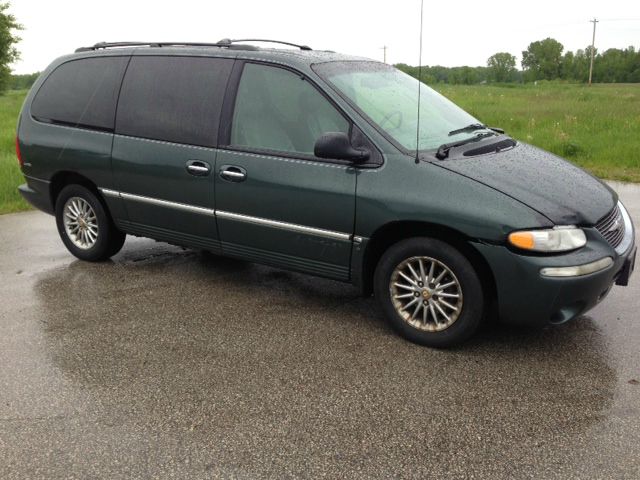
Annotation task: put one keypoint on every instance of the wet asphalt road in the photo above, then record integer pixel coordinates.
(169, 363)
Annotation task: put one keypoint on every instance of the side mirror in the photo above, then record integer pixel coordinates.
(337, 145)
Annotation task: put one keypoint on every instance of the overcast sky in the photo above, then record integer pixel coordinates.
(456, 32)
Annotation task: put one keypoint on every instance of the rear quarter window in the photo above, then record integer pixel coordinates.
(175, 99)
(81, 93)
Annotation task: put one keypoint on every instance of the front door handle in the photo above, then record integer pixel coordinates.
(198, 168)
(233, 173)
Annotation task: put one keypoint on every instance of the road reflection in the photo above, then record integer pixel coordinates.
(278, 360)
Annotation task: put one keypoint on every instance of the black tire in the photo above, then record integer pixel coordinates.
(470, 311)
(109, 239)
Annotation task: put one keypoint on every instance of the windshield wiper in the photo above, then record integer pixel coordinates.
(443, 150)
(473, 127)
(469, 128)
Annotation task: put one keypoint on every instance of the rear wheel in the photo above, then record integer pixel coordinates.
(84, 225)
(429, 292)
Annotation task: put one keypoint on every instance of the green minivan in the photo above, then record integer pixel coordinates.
(322, 163)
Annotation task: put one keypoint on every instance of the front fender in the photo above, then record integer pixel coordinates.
(402, 190)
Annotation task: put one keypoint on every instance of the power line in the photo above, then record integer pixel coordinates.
(619, 20)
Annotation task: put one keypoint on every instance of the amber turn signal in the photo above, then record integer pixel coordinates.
(522, 240)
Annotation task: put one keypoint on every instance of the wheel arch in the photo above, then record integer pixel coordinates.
(394, 232)
(63, 178)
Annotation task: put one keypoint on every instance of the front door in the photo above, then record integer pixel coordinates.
(164, 152)
(275, 202)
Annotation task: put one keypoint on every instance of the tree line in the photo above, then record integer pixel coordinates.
(22, 82)
(542, 60)
(8, 40)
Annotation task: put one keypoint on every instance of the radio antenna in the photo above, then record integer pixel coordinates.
(419, 86)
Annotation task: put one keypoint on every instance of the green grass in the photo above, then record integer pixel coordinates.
(10, 176)
(595, 127)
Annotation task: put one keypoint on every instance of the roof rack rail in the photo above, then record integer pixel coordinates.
(224, 43)
(227, 41)
(104, 45)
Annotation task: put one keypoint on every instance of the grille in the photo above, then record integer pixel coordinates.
(611, 226)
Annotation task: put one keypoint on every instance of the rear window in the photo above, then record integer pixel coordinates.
(81, 93)
(175, 99)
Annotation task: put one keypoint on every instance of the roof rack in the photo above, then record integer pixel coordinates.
(224, 43)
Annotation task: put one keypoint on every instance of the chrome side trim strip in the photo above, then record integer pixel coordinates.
(294, 227)
(110, 193)
(157, 201)
(284, 225)
(167, 203)
(34, 178)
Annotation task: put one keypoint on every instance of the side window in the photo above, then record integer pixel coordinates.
(278, 110)
(81, 93)
(176, 99)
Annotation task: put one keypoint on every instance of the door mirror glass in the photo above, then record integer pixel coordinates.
(337, 145)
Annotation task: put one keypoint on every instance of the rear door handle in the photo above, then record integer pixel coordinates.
(198, 168)
(233, 173)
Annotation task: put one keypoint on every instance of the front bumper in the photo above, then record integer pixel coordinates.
(526, 297)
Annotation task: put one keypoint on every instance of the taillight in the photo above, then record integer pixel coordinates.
(18, 152)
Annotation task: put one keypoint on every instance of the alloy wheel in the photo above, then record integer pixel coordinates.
(80, 223)
(426, 293)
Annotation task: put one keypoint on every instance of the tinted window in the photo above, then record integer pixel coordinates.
(279, 110)
(177, 99)
(81, 92)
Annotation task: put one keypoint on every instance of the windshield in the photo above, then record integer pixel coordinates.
(389, 98)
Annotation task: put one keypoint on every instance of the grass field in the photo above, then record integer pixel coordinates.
(10, 176)
(595, 127)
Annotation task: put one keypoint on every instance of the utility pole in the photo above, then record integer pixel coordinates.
(593, 49)
(384, 54)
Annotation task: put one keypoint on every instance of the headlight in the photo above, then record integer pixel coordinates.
(558, 239)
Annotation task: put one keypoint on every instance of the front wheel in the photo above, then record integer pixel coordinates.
(429, 291)
(84, 225)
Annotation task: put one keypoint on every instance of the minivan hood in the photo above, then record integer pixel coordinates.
(562, 192)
